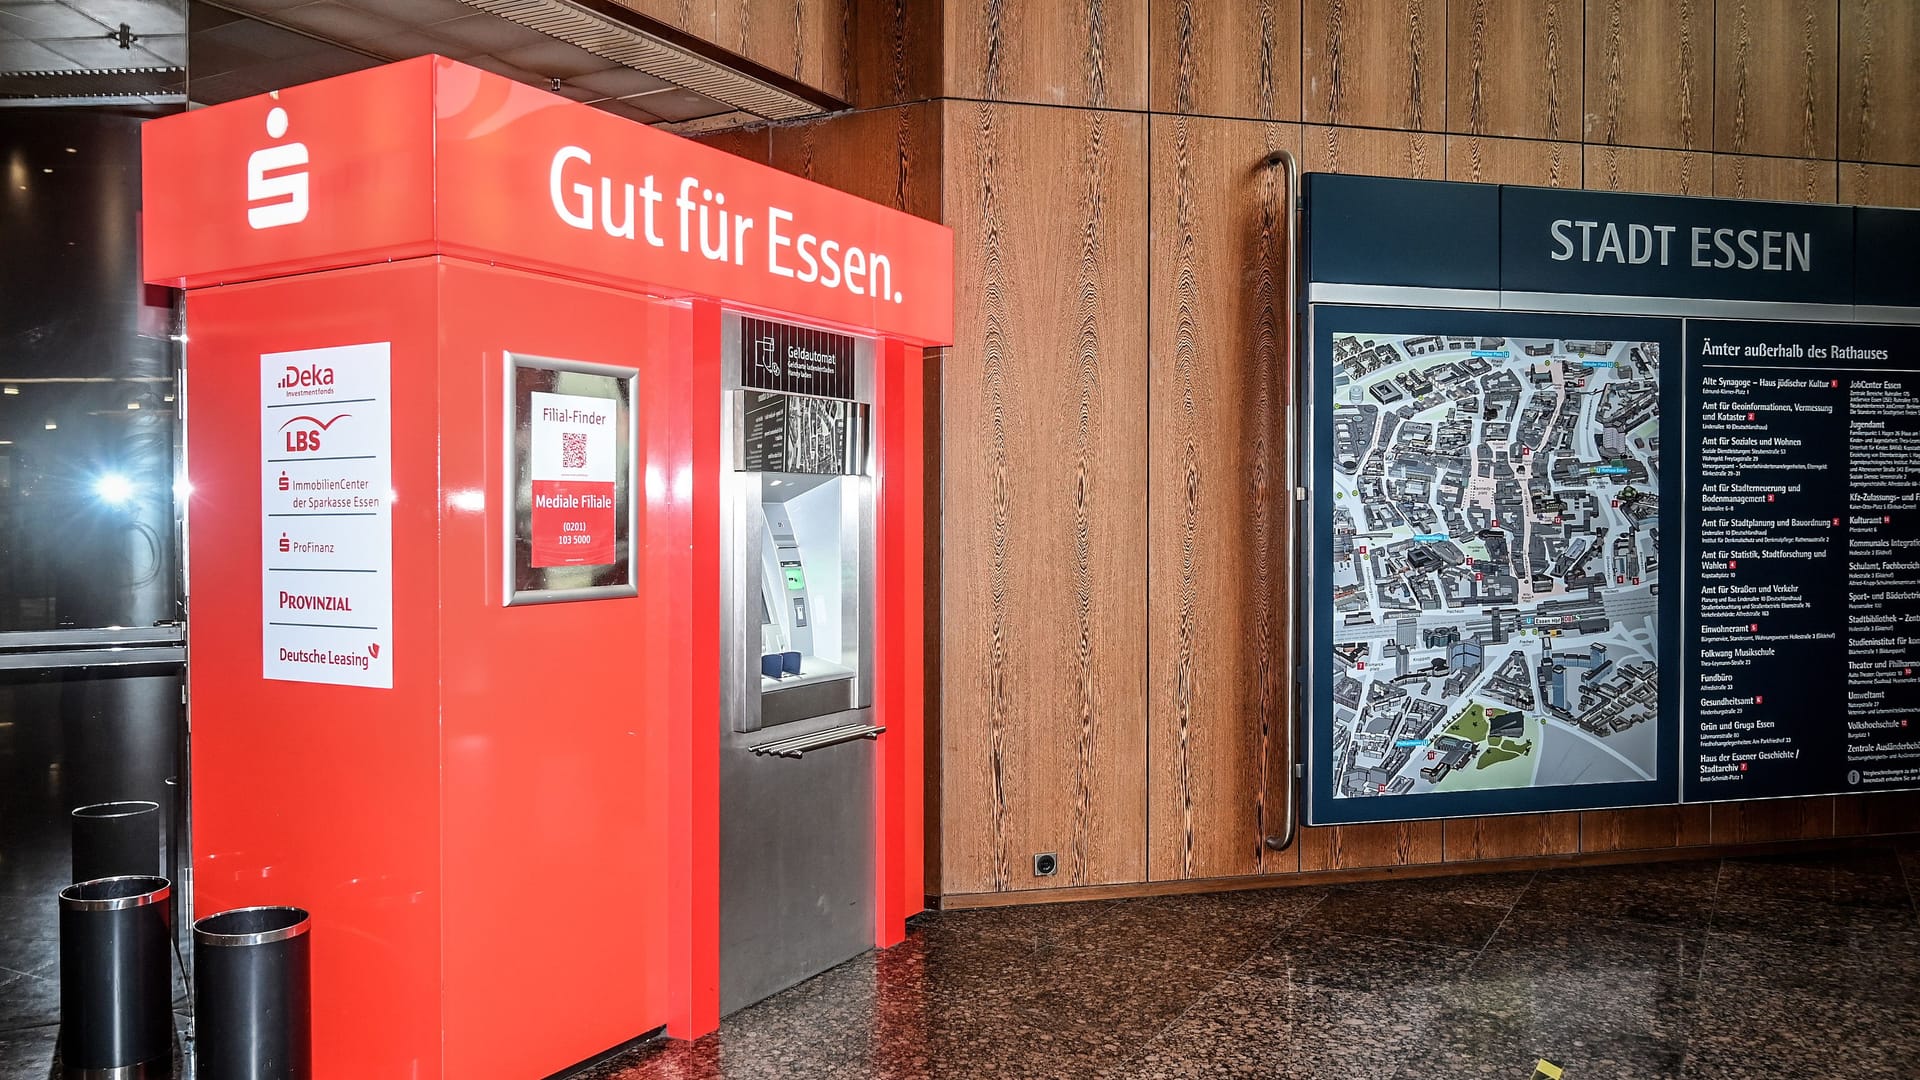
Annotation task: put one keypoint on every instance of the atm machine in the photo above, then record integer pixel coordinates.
(797, 674)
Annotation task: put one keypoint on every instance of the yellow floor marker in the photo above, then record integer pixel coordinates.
(1546, 1070)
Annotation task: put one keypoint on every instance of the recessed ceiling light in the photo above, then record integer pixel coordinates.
(10, 391)
(51, 426)
(133, 405)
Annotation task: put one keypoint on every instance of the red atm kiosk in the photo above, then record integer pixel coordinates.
(555, 541)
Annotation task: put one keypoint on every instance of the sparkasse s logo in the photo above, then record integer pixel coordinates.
(281, 198)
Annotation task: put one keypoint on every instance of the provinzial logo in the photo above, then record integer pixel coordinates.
(275, 196)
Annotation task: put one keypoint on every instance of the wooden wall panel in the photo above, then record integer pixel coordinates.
(1880, 80)
(1412, 154)
(806, 40)
(1042, 708)
(1350, 847)
(1513, 161)
(893, 52)
(1218, 559)
(1777, 179)
(1876, 815)
(1374, 63)
(1879, 185)
(1650, 72)
(1514, 67)
(1775, 77)
(1240, 59)
(1513, 837)
(1052, 52)
(1645, 827)
(1772, 819)
(753, 143)
(889, 156)
(1653, 172)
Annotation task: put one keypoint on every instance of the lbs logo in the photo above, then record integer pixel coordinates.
(304, 432)
(276, 196)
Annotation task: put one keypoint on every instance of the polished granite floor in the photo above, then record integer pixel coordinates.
(1779, 968)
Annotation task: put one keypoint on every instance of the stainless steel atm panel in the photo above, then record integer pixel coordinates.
(797, 606)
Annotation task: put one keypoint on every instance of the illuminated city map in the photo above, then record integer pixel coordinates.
(1495, 545)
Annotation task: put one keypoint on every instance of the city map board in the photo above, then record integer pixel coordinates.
(1488, 555)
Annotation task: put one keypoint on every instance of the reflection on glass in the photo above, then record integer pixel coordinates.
(88, 405)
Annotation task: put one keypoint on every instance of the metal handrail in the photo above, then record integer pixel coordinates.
(1285, 160)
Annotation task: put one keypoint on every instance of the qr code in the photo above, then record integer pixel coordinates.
(573, 449)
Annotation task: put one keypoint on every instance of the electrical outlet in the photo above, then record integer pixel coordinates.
(1046, 864)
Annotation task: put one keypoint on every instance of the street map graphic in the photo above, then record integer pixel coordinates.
(1496, 524)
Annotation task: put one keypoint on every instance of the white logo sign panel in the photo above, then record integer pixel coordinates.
(326, 515)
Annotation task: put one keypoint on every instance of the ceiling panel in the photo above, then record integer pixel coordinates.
(618, 82)
(484, 32)
(415, 43)
(30, 56)
(283, 42)
(675, 104)
(52, 20)
(556, 59)
(103, 54)
(338, 22)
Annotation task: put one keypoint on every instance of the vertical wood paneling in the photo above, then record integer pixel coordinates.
(1650, 72)
(1517, 836)
(1776, 179)
(1415, 155)
(1880, 80)
(1653, 172)
(806, 40)
(889, 156)
(1374, 63)
(1627, 830)
(1875, 815)
(893, 52)
(1043, 715)
(753, 143)
(1514, 67)
(1051, 52)
(1513, 161)
(1775, 77)
(1218, 563)
(1350, 847)
(1240, 59)
(1879, 185)
(1776, 819)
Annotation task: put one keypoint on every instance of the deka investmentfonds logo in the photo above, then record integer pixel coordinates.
(275, 196)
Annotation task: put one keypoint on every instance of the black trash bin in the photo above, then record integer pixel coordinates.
(116, 977)
(116, 839)
(252, 993)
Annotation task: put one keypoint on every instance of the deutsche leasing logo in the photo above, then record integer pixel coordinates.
(280, 199)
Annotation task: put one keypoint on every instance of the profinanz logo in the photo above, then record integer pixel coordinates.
(281, 199)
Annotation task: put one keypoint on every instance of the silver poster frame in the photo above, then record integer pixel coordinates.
(512, 463)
